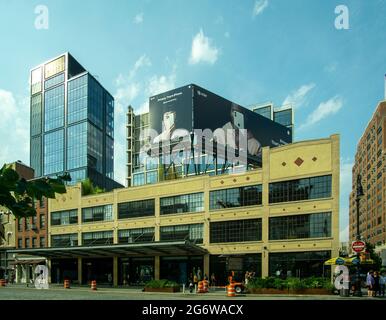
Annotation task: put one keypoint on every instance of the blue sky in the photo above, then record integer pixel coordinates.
(247, 51)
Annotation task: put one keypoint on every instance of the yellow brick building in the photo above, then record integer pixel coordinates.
(283, 217)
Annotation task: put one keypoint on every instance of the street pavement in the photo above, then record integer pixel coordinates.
(19, 292)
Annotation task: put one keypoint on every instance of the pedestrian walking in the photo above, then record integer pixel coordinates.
(199, 274)
(382, 284)
(376, 284)
(213, 280)
(370, 283)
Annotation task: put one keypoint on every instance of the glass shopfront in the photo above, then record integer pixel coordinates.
(180, 269)
(64, 269)
(135, 271)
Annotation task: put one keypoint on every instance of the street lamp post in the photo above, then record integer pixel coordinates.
(359, 195)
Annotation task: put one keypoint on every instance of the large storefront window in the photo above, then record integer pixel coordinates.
(184, 203)
(64, 269)
(181, 269)
(222, 267)
(316, 225)
(135, 209)
(100, 213)
(235, 231)
(64, 217)
(135, 271)
(136, 235)
(99, 269)
(236, 197)
(299, 264)
(300, 189)
(192, 232)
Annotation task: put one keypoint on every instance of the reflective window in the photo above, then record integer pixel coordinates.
(236, 197)
(54, 81)
(299, 264)
(95, 148)
(36, 80)
(184, 203)
(59, 218)
(77, 99)
(300, 189)
(42, 221)
(77, 146)
(265, 112)
(54, 67)
(42, 242)
(316, 225)
(36, 114)
(97, 238)
(151, 177)
(138, 179)
(54, 108)
(284, 117)
(95, 102)
(76, 176)
(109, 157)
(64, 240)
(136, 235)
(191, 232)
(100, 213)
(36, 155)
(53, 152)
(109, 115)
(236, 231)
(134, 209)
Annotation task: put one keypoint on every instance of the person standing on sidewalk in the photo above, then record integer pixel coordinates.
(376, 284)
(382, 284)
(370, 283)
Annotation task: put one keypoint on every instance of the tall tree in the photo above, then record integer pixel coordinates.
(18, 194)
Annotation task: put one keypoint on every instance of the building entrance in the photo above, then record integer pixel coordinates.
(99, 269)
(181, 269)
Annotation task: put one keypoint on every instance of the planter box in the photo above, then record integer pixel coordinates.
(268, 291)
(291, 291)
(172, 289)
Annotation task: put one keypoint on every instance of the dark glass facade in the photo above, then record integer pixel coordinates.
(304, 226)
(192, 232)
(299, 264)
(72, 123)
(236, 197)
(180, 204)
(300, 189)
(133, 209)
(236, 231)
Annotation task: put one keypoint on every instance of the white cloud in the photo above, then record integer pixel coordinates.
(203, 50)
(14, 129)
(260, 6)
(134, 89)
(298, 97)
(324, 110)
(138, 18)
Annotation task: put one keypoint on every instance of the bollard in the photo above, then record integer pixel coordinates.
(231, 291)
(66, 284)
(2, 283)
(200, 287)
(93, 285)
(205, 286)
(183, 288)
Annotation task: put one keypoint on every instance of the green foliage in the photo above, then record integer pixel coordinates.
(290, 283)
(88, 188)
(374, 256)
(18, 195)
(163, 283)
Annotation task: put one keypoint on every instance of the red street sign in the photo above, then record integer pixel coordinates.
(358, 246)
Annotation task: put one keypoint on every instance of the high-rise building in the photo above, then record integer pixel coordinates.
(370, 164)
(72, 123)
(184, 110)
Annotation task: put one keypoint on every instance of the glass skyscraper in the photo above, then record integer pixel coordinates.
(72, 123)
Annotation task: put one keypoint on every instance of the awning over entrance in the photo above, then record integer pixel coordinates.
(175, 248)
(28, 261)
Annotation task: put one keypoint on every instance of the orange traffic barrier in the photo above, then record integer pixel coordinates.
(200, 288)
(2, 283)
(205, 285)
(231, 291)
(66, 284)
(93, 285)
